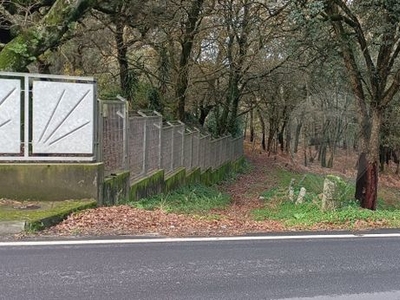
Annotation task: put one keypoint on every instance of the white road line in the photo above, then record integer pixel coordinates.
(194, 239)
(391, 295)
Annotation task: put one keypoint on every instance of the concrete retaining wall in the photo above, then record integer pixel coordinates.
(149, 186)
(116, 191)
(51, 181)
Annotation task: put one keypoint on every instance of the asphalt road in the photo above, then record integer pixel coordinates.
(355, 268)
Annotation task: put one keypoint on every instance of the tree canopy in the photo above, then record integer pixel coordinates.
(296, 70)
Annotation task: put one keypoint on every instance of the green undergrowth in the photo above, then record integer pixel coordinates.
(277, 205)
(309, 214)
(193, 199)
(311, 182)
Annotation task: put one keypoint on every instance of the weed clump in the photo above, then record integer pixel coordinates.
(194, 199)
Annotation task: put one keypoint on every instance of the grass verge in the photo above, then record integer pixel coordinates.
(193, 199)
(308, 215)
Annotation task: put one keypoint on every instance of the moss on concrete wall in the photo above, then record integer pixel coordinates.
(240, 165)
(157, 182)
(149, 186)
(175, 180)
(116, 189)
(51, 181)
(213, 176)
(193, 177)
(205, 177)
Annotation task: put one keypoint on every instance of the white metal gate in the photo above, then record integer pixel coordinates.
(48, 118)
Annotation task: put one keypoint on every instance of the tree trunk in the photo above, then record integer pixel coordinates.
(361, 179)
(368, 173)
(29, 44)
(371, 188)
(204, 111)
(263, 144)
(182, 82)
(330, 160)
(305, 150)
(371, 193)
(122, 51)
(297, 137)
(251, 126)
(164, 69)
(232, 98)
(383, 158)
(322, 155)
(43, 66)
(288, 140)
(191, 29)
(236, 69)
(281, 133)
(271, 134)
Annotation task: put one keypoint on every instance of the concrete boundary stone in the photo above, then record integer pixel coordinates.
(11, 227)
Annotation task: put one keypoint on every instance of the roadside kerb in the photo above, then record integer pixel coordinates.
(11, 227)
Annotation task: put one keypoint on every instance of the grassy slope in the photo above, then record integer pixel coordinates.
(198, 199)
(309, 215)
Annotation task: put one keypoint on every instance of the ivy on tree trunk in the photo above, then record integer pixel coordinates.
(34, 41)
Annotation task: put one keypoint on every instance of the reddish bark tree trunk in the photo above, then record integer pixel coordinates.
(361, 180)
(368, 173)
(371, 188)
(382, 81)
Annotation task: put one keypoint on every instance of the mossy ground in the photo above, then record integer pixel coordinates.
(35, 211)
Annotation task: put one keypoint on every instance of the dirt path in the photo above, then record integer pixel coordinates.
(233, 220)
